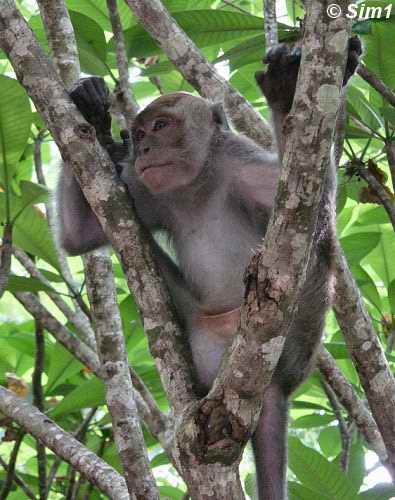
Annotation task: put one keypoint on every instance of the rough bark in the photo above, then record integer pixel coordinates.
(115, 371)
(270, 24)
(197, 70)
(61, 40)
(107, 197)
(367, 354)
(376, 83)
(98, 472)
(277, 273)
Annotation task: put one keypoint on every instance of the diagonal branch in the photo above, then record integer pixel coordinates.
(202, 75)
(356, 408)
(98, 472)
(107, 197)
(367, 354)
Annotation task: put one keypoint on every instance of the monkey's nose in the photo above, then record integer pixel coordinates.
(146, 150)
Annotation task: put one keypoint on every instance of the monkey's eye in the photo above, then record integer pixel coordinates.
(159, 124)
(140, 134)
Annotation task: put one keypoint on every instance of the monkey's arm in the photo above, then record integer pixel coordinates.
(79, 229)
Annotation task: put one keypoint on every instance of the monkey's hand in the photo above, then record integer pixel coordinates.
(278, 83)
(92, 98)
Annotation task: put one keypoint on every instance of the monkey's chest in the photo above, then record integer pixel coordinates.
(213, 259)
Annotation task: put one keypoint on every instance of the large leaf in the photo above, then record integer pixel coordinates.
(23, 284)
(97, 10)
(204, 27)
(91, 42)
(86, 395)
(358, 245)
(62, 366)
(378, 54)
(318, 474)
(298, 492)
(31, 231)
(15, 124)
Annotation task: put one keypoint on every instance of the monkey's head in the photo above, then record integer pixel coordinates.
(172, 139)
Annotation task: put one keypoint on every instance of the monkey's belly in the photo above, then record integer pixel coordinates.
(209, 338)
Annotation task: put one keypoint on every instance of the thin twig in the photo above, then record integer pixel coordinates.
(79, 320)
(38, 401)
(376, 83)
(377, 187)
(11, 465)
(19, 481)
(123, 91)
(270, 24)
(345, 435)
(5, 257)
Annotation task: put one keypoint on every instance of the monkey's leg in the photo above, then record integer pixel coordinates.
(270, 445)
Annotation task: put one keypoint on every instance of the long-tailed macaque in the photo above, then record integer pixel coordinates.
(212, 192)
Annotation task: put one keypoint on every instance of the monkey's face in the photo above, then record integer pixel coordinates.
(171, 141)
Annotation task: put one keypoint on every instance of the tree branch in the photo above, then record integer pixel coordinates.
(77, 348)
(385, 198)
(11, 464)
(270, 24)
(114, 364)
(107, 197)
(60, 36)
(38, 401)
(376, 83)
(64, 445)
(79, 320)
(18, 481)
(277, 273)
(202, 75)
(368, 355)
(5, 256)
(356, 408)
(123, 91)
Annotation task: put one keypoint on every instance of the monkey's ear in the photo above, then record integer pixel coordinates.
(219, 116)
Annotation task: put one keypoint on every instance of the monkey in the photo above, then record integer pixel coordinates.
(212, 192)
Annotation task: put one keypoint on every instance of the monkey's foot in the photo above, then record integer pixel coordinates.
(92, 98)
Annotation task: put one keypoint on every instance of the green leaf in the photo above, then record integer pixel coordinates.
(23, 284)
(366, 285)
(298, 492)
(31, 232)
(376, 56)
(15, 124)
(329, 441)
(295, 10)
(358, 245)
(91, 42)
(359, 106)
(98, 11)
(382, 257)
(391, 297)
(318, 474)
(159, 459)
(337, 349)
(86, 395)
(31, 194)
(204, 27)
(62, 366)
(170, 493)
(313, 420)
(356, 464)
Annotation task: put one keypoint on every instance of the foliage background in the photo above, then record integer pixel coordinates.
(232, 37)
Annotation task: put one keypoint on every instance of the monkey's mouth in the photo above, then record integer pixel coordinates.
(146, 168)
